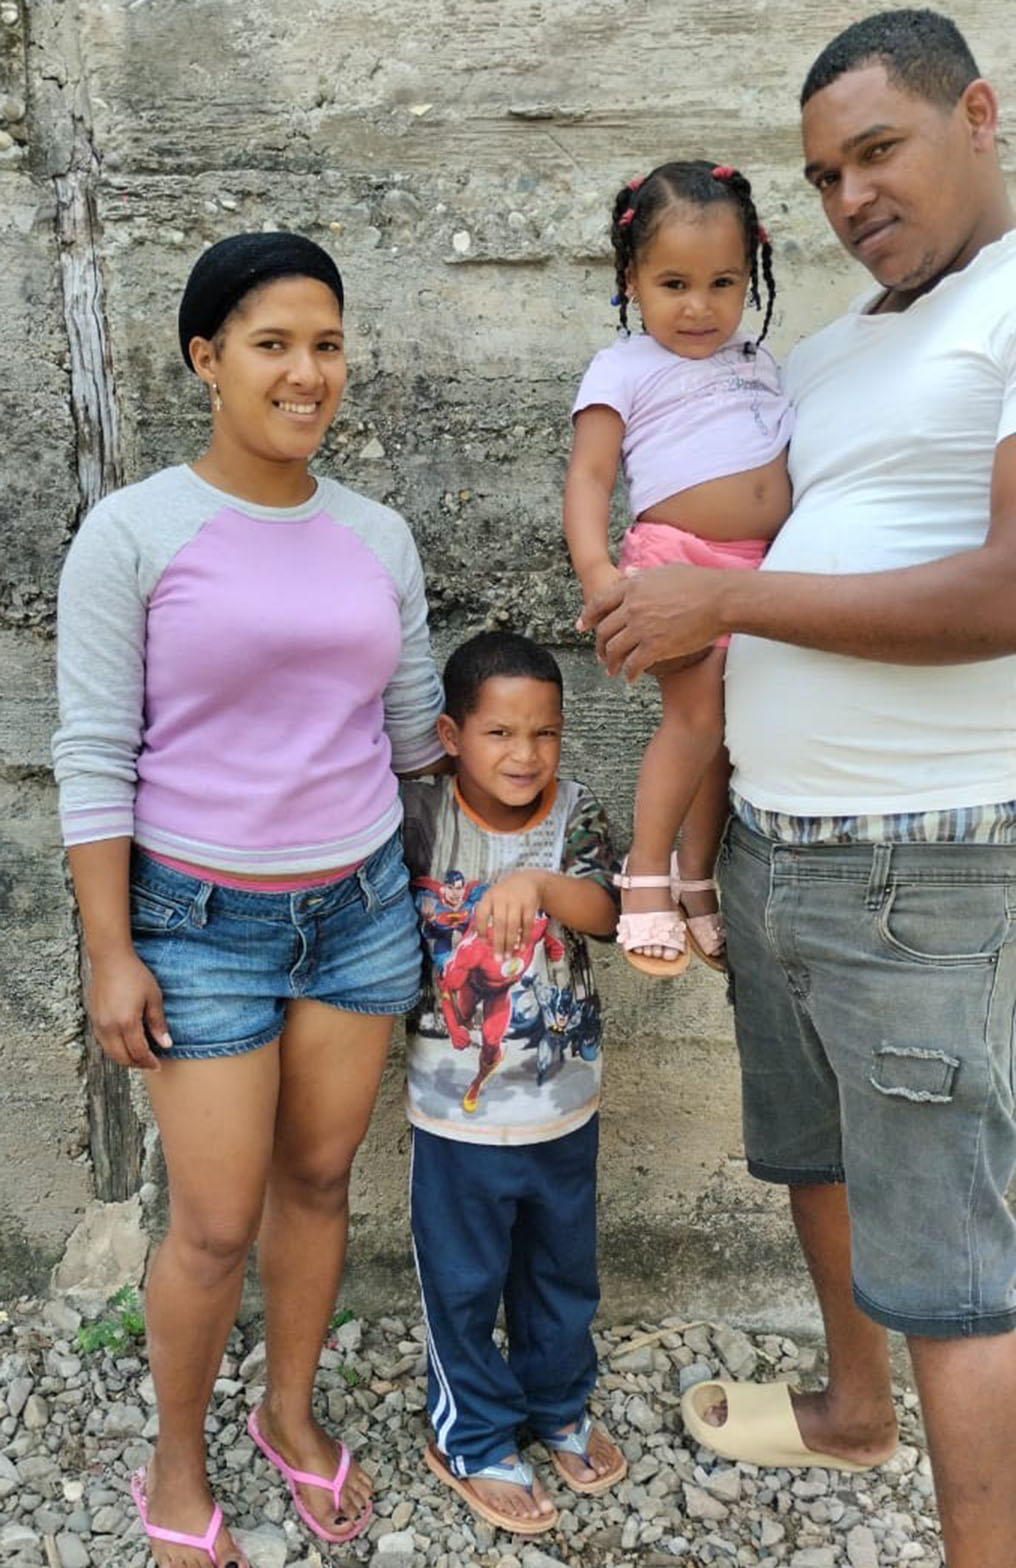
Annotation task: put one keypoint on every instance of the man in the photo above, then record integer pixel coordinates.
(869, 874)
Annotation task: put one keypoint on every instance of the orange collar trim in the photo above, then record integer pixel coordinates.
(543, 810)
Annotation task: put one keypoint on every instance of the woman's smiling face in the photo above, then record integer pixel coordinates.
(280, 367)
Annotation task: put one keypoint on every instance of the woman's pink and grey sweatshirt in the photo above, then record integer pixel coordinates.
(239, 684)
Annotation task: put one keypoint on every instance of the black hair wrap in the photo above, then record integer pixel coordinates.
(227, 272)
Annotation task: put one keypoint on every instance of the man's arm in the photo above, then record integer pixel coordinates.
(956, 610)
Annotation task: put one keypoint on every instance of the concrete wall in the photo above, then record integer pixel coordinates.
(458, 157)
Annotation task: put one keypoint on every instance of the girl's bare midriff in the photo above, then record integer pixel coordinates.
(749, 505)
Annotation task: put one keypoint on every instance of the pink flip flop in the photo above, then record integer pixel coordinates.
(155, 1532)
(293, 1478)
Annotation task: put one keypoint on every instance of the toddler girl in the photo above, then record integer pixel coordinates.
(693, 409)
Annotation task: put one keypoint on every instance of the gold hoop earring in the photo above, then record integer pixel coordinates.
(216, 397)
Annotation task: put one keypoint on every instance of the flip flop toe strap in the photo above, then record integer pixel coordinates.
(156, 1532)
(518, 1474)
(309, 1478)
(333, 1484)
(576, 1442)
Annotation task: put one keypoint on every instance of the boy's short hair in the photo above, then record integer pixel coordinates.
(487, 656)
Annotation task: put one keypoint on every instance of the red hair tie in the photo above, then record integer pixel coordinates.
(626, 217)
(723, 171)
(635, 182)
(763, 234)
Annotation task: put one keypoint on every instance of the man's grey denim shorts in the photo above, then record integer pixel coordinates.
(874, 988)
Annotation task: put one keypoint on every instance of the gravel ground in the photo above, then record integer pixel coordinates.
(73, 1426)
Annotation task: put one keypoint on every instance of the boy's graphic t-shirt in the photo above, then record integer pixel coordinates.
(501, 1051)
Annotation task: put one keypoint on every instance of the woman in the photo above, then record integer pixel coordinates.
(244, 666)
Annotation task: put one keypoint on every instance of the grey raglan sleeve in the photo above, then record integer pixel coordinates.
(413, 698)
(101, 620)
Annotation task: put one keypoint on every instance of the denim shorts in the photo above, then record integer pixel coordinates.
(228, 961)
(874, 989)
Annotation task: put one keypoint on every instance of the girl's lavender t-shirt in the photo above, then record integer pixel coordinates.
(687, 420)
(238, 683)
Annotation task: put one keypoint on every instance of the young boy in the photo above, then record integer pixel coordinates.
(509, 866)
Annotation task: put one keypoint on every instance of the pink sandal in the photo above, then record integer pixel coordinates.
(293, 1478)
(155, 1532)
(707, 935)
(652, 928)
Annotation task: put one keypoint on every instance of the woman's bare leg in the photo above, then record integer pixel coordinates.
(331, 1065)
(216, 1120)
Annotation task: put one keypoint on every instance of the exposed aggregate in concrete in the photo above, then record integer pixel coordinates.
(73, 1426)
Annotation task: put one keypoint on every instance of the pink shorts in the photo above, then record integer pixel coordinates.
(648, 544)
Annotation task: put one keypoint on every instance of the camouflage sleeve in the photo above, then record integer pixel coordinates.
(588, 851)
(416, 823)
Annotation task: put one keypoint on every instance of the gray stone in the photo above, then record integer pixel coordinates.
(263, 1550)
(15, 1537)
(862, 1548)
(696, 1372)
(252, 1367)
(699, 1504)
(35, 1415)
(643, 1417)
(38, 1467)
(60, 1315)
(72, 1551)
(396, 1542)
(814, 1483)
(724, 1484)
(124, 1421)
(137, 1455)
(737, 1351)
(641, 1360)
(107, 1250)
(47, 1520)
(349, 1336)
(18, 1391)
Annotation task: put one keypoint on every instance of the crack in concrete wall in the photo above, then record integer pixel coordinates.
(93, 402)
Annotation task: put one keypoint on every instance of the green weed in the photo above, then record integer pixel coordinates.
(118, 1331)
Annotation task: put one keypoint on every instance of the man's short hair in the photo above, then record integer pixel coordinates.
(487, 656)
(923, 53)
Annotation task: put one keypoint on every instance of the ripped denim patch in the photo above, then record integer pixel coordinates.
(910, 1073)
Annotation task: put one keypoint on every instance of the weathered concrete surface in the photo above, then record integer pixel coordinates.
(458, 157)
